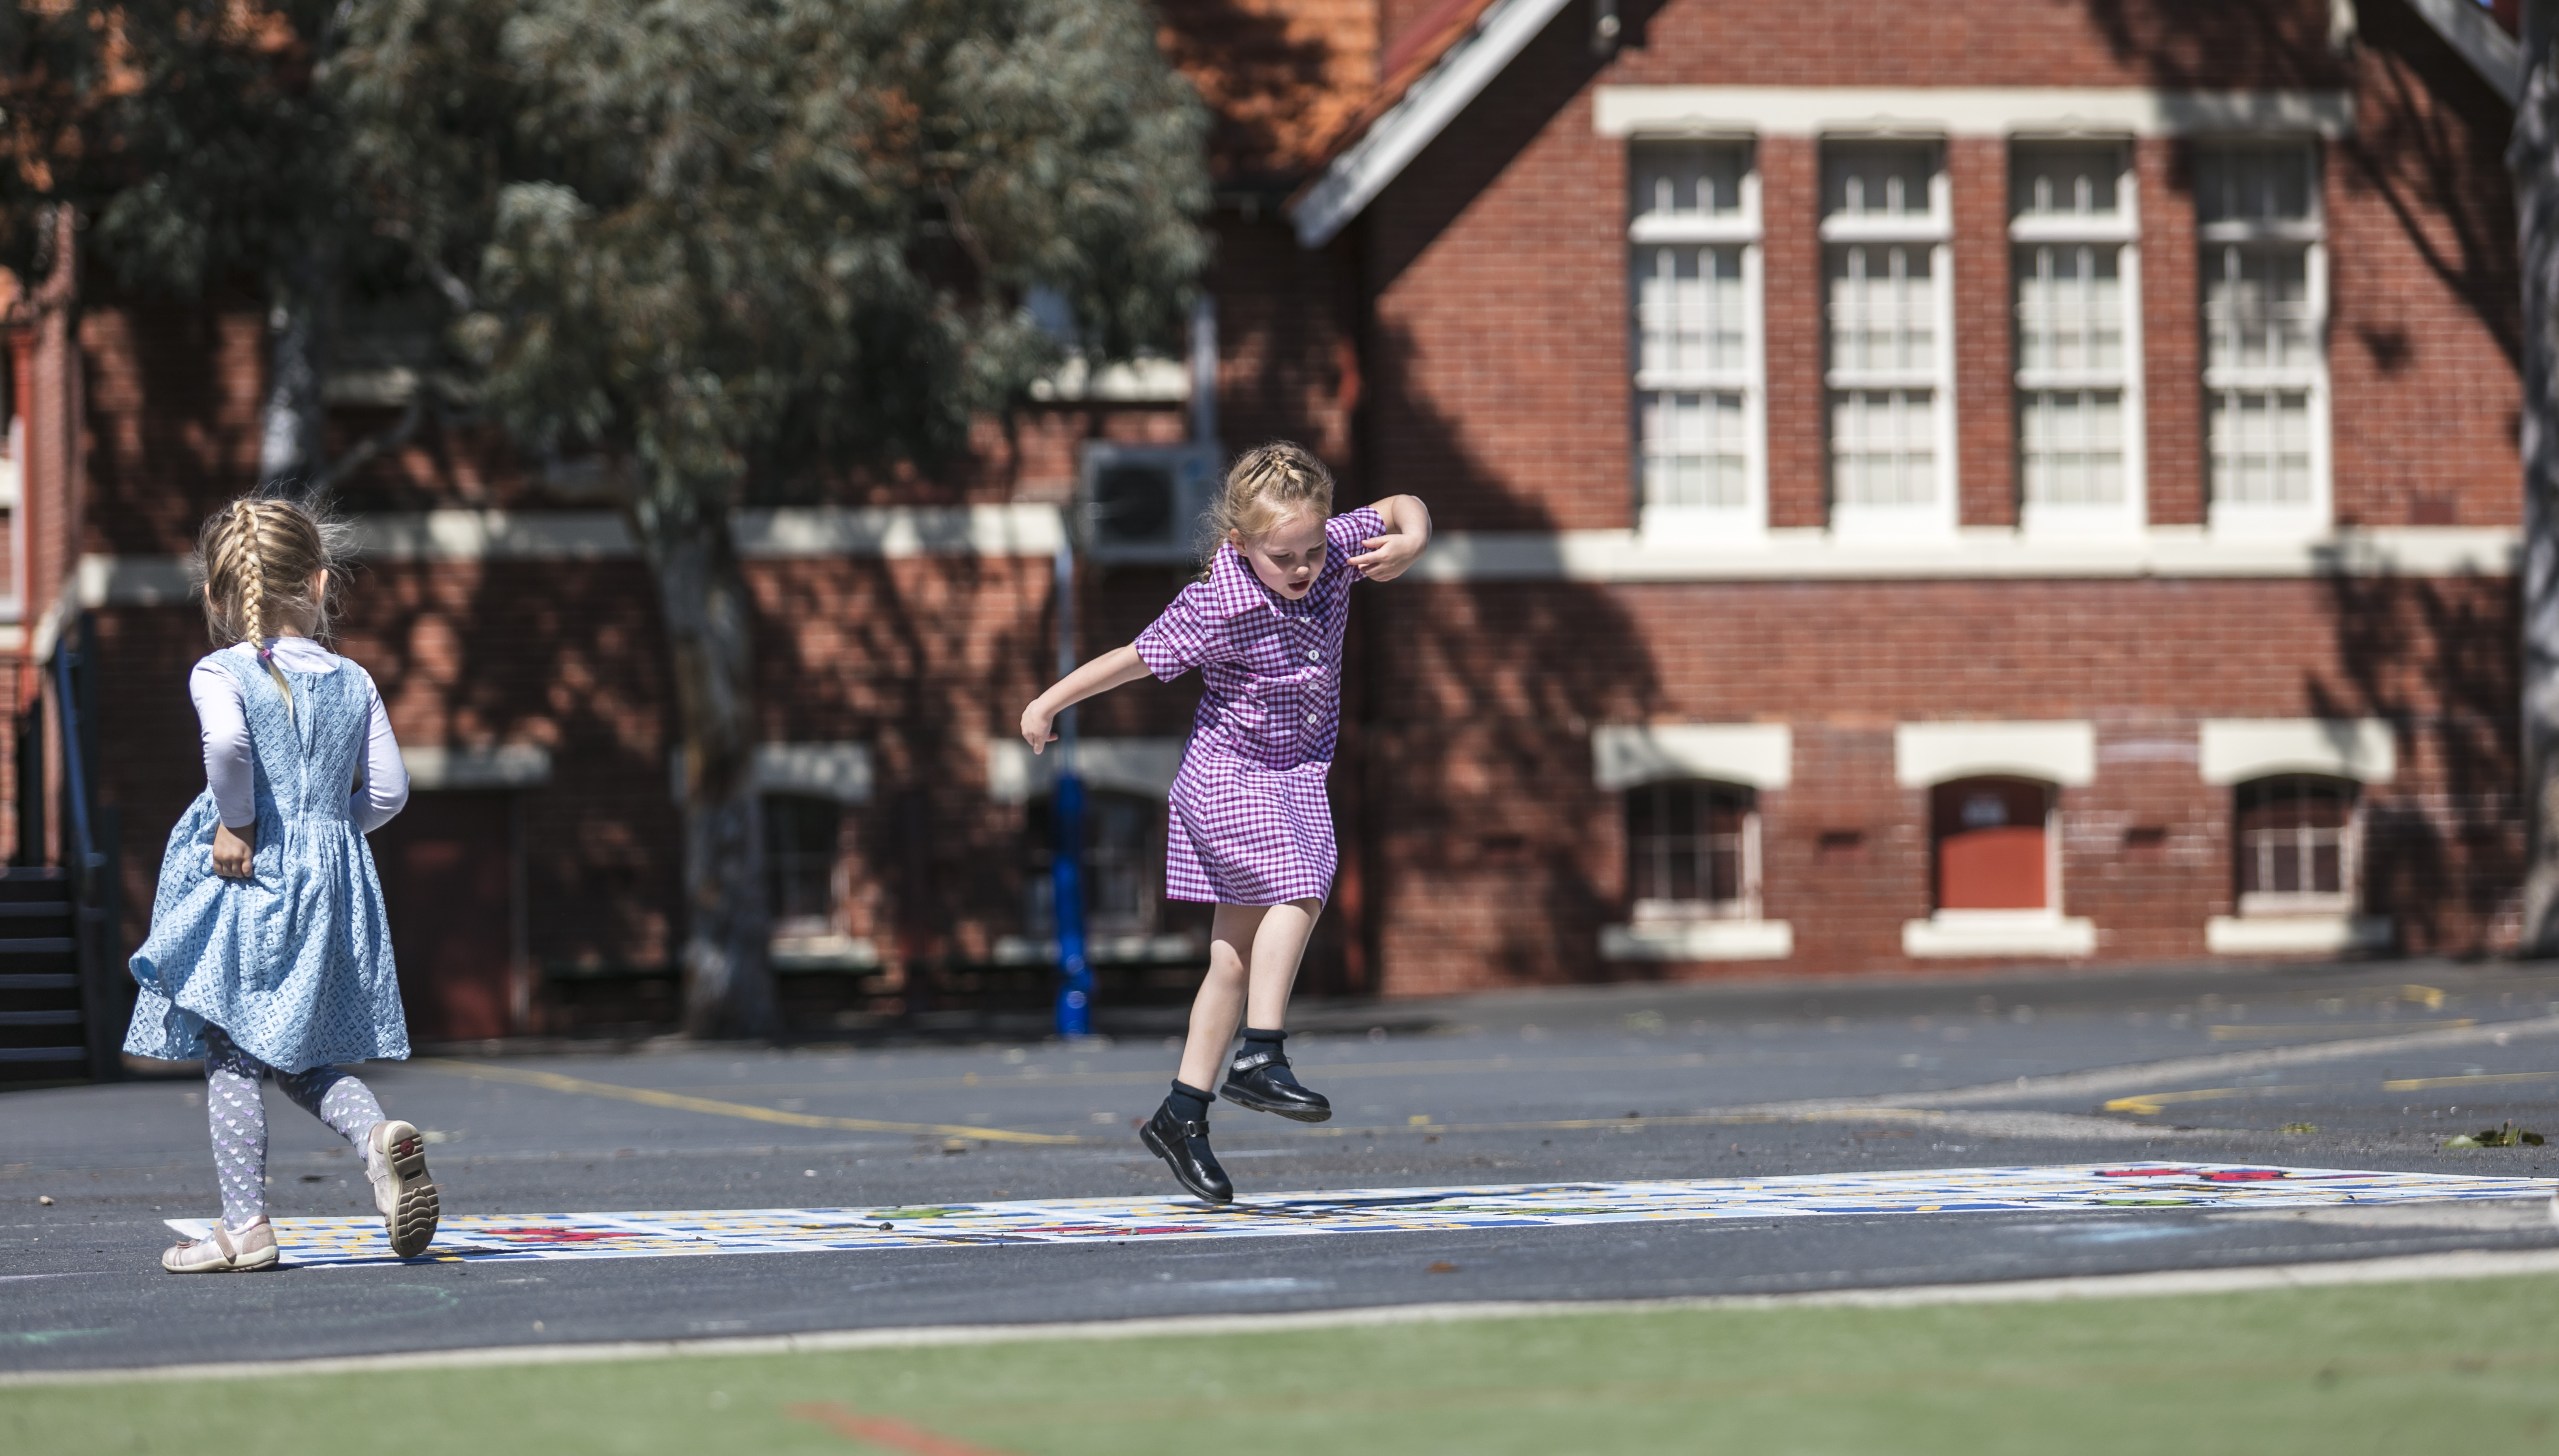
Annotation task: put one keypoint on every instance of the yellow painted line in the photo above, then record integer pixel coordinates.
(1568, 1124)
(1327, 1070)
(1633, 1124)
(2245, 1033)
(2430, 997)
(2144, 1104)
(678, 1101)
(2420, 1083)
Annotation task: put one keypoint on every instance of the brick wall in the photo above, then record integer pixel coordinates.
(1497, 375)
(1467, 342)
(1502, 860)
(1497, 262)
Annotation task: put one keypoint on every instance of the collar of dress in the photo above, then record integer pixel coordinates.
(1234, 591)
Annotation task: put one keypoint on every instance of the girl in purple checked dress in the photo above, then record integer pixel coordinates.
(1250, 830)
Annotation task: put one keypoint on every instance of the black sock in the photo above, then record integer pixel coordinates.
(1188, 1103)
(1268, 1042)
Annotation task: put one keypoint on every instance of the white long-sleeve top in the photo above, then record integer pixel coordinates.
(231, 766)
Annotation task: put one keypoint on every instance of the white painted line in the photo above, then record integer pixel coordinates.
(2399, 1269)
(2152, 1076)
(358, 1243)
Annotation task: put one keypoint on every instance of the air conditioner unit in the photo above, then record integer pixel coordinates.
(1143, 503)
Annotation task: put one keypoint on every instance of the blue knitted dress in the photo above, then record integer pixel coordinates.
(294, 963)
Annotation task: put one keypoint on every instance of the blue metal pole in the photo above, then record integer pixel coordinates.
(1075, 988)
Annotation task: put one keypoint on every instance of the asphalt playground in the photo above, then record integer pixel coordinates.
(2359, 1068)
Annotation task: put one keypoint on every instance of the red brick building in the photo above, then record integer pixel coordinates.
(1917, 487)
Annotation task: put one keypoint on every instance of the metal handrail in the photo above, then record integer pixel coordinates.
(75, 779)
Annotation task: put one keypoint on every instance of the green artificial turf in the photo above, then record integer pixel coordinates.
(2468, 1366)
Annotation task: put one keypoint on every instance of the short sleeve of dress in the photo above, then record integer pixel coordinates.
(1344, 533)
(1179, 640)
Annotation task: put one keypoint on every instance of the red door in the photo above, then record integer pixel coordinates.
(1990, 843)
(445, 868)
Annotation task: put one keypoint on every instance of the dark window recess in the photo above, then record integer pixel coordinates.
(448, 892)
(1990, 840)
(1686, 842)
(1123, 865)
(802, 843)
(2296, 836)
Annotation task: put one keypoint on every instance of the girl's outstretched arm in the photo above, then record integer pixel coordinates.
(1102, 673)
(1407, 531)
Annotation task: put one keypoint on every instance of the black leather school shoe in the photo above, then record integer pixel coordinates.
(1184, 1148)
(1261, 1082)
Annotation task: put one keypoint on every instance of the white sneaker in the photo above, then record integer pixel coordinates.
(253, 1247)
(395, 1161)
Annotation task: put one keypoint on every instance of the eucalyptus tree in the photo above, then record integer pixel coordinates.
(199, 147)
(716, 243)
(2533, 158)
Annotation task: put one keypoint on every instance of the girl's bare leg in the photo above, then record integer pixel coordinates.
(1277, 947)
(1218, 1009)
(1253, 956)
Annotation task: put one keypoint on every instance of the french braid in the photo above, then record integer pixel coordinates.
(259, 560)
(1267, 485)
(252, 555)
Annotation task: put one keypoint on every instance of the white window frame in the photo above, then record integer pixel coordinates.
(1746, 523)
(2253, 520)
(2264, 904)
(1746, 904)
(1938, 519)
(2045, 520)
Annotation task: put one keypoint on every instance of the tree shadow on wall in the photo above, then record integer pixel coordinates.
(1275, 82)
(569, 655)
(920, 658)
(2426, 123)
(1479, 818)
(1477, 698)
(2444, 866)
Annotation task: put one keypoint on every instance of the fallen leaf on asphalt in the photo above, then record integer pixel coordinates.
(2503, 1135)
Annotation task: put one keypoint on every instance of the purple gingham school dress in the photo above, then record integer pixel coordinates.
(1249, 824)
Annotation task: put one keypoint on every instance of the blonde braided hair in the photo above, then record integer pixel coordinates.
(259, 560)
(1267, 485)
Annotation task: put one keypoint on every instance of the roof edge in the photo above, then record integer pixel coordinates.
(2468, 29)
(1443, 82)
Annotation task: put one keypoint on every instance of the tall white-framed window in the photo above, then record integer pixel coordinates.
(2075, 267)
(1701, 417)
(1889, 303)
(2263, 258)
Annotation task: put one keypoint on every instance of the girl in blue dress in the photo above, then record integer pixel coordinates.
(268, 954)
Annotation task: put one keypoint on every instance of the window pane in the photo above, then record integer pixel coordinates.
(799, 844)
(2294, 835)
(2070, 308)
(2261, 446)
(1883, 306)
(1685, 844)
(2257, 311)
(2066, 180)
(1883, 445)
(2260, 183)
(1688, 179)
(1696, 448)
(1689, 309)
(1876, 179)
(2071, 445)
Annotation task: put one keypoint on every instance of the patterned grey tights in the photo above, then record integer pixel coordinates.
(237, 1113)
